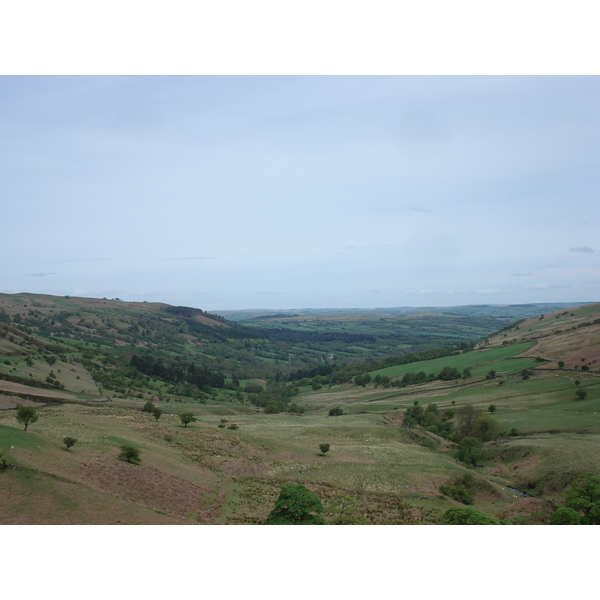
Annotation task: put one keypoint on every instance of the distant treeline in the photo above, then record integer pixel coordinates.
(197, 375)
(343, 374)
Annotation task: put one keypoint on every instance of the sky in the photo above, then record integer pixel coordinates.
(232, 192)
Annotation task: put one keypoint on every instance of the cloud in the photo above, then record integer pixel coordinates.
(80, 260)
(269, 293)
(368, 247)
(585, 249)
(419, 209)
(546, 286)
(39, 274)
(190, 258)
(527, 274)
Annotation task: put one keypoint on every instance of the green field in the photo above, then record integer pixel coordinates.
(470, 360)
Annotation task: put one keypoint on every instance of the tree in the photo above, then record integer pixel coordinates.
(469, 516)
(26, 415)
(157, 413)
(486, 428)
(491, 374)
(461, 488)
(581, 394)
(130, 454)
(295, 506)
(470, 450)
(148, 407)
(324, 448)
(565, 516)
(345, 511)
(187, 417)
(561, 364)
(583, 496)
(492, 408)
(466, 416)
(69, 441)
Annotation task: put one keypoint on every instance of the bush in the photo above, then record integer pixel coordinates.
(486, 428)
(187, 417)
(429, 444)
(69, 441)
(148, 407)
(26, 415)
(581, 394)
(565, 516)
(470, 450)
(461, 488)
(295, 506)
(469, 516)
(130, 454)
(324, 448)
(336, 411)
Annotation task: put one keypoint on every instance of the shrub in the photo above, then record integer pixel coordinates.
(26, 415)
(470, 450)
(565, 516)
(187, 417)
(486, 428)
(581, 394)
(295, 506)
(461, 488)
(336, 411)
(469, 516)
(324, 448)
(148, 407)
(233, 427)
(69, 441)
(157, 413)
(130, 454)
(429, 444)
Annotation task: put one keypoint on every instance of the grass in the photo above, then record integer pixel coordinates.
(468, 360)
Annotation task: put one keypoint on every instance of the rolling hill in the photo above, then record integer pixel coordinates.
(71, 359)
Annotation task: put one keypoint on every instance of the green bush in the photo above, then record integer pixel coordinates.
(148, 407)
(469, 516)
(565, 516)
(461, 488)
(295, 506)
(130, 454)
(26, 415)
(429, 444)
(336, 411)
(187, 417)
(69, 441)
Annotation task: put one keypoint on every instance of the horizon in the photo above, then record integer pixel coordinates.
(320, 308)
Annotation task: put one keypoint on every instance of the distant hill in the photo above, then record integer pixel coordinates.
(571, 336)
(514, 311)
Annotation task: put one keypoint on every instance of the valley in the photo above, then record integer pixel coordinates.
(265, 393)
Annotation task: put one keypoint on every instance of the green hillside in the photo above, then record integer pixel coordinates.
(393, 451)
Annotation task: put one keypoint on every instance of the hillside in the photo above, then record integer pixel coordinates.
(71, 359)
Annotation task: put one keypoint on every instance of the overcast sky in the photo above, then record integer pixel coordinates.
(292, 192)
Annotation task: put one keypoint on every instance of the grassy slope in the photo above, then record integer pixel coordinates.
(204, 474)
(471, 360)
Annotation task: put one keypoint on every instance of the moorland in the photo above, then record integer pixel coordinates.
(387, 416)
